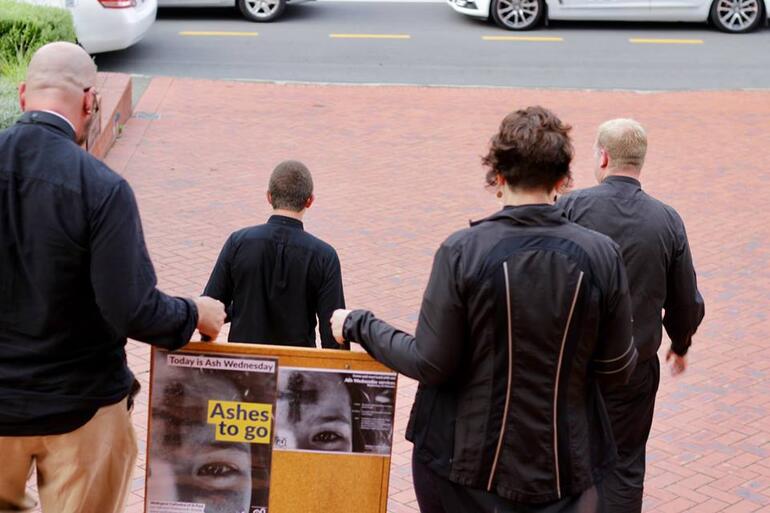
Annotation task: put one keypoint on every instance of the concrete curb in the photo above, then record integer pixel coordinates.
(115, 95)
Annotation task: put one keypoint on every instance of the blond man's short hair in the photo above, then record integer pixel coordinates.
(625, 141)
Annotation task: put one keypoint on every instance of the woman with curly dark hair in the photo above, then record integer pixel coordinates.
(523, 315)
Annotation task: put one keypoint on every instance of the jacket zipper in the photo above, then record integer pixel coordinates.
(510, 377)
(556, 387)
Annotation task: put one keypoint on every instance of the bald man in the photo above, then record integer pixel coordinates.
(75, 282)
(654, 245)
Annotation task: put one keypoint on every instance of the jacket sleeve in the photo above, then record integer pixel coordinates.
(124, 280)
(220, 284)
(432, 356)
(330, 298)
(684, 306)
(616, 355)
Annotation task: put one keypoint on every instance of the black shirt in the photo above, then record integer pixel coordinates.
(653, 242)
(275, 279)
(75, 282)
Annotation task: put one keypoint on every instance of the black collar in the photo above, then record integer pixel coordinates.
(528, 215)
(46, 118)
(285, 221)
(622, 179)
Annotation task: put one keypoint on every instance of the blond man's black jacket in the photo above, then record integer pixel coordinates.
(523, 314)
(653, 242)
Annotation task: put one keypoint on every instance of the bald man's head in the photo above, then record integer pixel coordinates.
(60, 66)
(61, 78)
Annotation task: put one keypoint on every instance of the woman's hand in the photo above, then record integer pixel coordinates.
(338, 322)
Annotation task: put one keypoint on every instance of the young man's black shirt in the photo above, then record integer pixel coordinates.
(275, 279)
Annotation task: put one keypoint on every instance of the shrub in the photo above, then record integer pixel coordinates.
(24, 28)
(9, 103)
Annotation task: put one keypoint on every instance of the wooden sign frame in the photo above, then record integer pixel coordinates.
(309, 482)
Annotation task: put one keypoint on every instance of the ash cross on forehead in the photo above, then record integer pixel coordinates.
(297, 395)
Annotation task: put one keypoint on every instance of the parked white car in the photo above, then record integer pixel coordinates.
(107, 25)
(253, 10)
(727, 15)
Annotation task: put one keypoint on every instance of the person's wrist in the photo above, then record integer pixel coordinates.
(193, 306)
(679, 351)
(347, 326)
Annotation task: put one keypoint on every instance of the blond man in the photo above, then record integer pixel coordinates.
(654, 245)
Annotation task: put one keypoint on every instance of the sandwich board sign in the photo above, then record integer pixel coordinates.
(246, 428)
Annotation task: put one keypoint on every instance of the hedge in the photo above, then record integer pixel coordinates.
(26, 27)
(23, 29)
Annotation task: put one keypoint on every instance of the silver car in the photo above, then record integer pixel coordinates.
(734, 16)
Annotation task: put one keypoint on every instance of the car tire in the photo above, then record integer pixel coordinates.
(518, 14)
(737, 16)
(261, 10)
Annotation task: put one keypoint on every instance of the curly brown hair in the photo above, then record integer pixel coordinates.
(531, 150)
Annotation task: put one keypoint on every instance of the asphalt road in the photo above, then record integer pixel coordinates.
(436, 46)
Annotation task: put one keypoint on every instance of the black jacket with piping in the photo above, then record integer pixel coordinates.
(523, 314)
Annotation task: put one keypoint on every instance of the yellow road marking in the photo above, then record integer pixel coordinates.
(370, 36)
(219, 34)
(534, 39)
(665, 41)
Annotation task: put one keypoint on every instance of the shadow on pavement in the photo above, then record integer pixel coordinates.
(294, 11)
(199, 13)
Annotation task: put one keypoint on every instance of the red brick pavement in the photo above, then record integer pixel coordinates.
(397, 170)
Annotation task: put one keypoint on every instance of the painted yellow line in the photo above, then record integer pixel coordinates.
(219, 34)
(641, 41)
(370, 36)
(534, 39)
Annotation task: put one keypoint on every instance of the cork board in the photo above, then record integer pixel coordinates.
(340, 476)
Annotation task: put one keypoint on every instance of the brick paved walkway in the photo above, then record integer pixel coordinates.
(397, 170)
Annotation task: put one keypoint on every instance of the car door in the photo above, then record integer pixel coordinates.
(626, 10)
(195, 3)
(679, 10)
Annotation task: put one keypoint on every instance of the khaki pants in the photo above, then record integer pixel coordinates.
(85, 471)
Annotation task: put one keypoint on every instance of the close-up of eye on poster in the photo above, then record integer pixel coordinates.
(322, 410)
(211, 432)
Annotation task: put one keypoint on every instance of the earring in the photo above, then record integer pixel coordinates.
(499, 194)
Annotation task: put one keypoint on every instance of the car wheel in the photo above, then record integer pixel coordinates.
(261, 10)
(737, 16)
(518, 14)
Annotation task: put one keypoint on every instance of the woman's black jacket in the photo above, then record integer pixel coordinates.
(524, 313)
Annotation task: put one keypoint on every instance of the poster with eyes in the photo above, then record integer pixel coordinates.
(211, 433)
(321, 410)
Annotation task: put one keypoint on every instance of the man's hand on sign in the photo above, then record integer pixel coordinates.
(679, 365)
(211, 316)
(338, 322)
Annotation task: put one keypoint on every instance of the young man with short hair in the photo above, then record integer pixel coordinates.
(276, 278)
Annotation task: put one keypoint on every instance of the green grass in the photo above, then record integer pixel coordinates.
(23, 29)
(9, 103)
